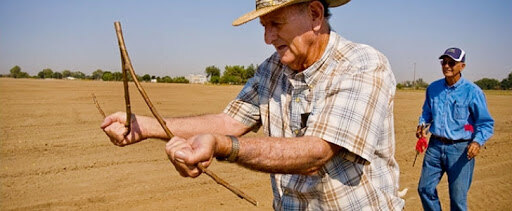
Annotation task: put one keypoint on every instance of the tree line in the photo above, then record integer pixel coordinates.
(417, 84)
(99, 74)
(233, 74)
(236, 74)
(491, 83)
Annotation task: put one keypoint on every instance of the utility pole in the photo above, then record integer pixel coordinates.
(414, 77)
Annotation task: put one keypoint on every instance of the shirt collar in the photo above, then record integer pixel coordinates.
(457, 84)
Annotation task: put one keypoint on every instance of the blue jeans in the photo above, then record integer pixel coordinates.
(452, 159)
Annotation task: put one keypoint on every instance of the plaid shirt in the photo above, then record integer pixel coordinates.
(345, 98)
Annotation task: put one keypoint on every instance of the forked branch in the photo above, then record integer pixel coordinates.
(127, 66)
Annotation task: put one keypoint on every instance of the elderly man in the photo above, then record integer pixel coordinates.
(460, 124)
(325, 103)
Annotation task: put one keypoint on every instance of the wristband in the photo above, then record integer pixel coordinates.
(233, 154)
(235, 148)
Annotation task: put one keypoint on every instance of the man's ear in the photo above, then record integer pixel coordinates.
(316, 13)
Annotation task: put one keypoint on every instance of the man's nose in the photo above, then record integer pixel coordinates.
(270, 34)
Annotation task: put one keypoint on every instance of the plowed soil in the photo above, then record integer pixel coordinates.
(53, 155)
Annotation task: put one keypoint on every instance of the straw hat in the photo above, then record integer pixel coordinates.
(264, 7)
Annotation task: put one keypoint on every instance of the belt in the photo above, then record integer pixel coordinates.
(447, 140)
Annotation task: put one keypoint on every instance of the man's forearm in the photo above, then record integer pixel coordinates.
(302, 155)
(187, 127)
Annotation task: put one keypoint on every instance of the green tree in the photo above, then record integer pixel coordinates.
(97, 75)
(180, 79)
(78, 74)
(248, 73)
(131, 79)
(233, 74)
(215, 79)
(166, 79)
(66, 73)
(23, 75)
(107, 76)
(45, 73)
(488, 83)
(212, 71)
(146, 77)
(506, 83)
(118, 76)
(57, 75)
(16, 72)
(420, 83)
(230, 79)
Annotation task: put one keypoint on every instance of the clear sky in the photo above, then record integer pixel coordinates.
(176, 38)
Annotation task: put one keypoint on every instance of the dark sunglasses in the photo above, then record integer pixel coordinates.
(450, 63)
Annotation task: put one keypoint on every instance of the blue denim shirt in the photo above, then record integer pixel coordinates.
(454, 110)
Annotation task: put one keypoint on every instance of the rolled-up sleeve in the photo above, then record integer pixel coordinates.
(245, 108)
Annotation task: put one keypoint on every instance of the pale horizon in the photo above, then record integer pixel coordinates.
(176, 39)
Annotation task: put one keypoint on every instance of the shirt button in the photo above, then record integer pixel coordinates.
(296, 132)
(297, 99)
(286, 192)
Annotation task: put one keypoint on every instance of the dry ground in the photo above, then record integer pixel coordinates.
(54, 156)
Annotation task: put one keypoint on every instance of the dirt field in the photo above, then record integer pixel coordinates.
(53, 154)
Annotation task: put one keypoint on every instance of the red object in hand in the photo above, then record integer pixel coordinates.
(468, 127)
(421, 145)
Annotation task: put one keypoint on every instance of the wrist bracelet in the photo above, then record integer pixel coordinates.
(233, 154)
(235, 147)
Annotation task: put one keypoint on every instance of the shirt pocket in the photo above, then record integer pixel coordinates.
(460, 112)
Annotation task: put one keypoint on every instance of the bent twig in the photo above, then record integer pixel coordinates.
(98, 105)
(415, 157)
(128, 65)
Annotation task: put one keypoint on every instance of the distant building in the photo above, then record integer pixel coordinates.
(153, 80)
(196, 79)
(70, 78)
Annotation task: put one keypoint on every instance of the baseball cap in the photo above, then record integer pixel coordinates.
(456, 54)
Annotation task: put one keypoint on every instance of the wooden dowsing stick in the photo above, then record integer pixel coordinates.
(128, 65)
(128, 122)
(98, 105)
(217, 179)
(415, 157)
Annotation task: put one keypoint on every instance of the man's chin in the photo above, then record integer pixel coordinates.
(447, 73)
(284, 60)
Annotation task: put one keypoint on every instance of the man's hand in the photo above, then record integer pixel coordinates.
(421, 145)
(113, 126)
(186, 154)
(473, 150)
(420, 131)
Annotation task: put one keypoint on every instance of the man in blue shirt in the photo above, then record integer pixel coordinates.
(460, 123)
